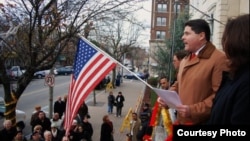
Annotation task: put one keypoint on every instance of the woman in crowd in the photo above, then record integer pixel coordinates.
(232, 101)
(107, 129)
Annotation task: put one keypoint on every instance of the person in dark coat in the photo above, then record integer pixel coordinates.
(19, 136)
(43, 121)
(107, 129)
(59, 107)
(119, 104)
(231, 104)
(88, 129)
(83, 111)
(111, 101)
(8, 132)
(145, 119)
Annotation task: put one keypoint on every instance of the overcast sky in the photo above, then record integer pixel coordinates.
(144, 15)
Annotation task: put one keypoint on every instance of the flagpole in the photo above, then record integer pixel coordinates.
(97, 48)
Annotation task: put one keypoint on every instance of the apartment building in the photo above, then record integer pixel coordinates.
(164, 12)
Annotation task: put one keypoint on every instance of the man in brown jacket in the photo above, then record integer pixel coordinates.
(199, 75)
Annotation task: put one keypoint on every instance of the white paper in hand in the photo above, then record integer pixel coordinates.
(171, 98)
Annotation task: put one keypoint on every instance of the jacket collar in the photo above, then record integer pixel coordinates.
(207, 51)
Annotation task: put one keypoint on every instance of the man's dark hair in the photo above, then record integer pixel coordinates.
(198, 26)
(164, 77)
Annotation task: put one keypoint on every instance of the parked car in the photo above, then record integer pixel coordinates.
(17, 71)
(20, 115)
(132, 76)
(70, 67)
(64, 71)
(40, 74)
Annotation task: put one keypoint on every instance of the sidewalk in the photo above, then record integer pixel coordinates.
(131, 90)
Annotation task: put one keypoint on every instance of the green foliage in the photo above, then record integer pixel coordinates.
(183, 17)
(162, 54)
(153, 81)
(153, 97)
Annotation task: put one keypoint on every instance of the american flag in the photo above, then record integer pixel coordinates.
(90, 67)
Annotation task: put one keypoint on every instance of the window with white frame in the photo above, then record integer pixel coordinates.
(160, 34)
(162, 8)
(161, 21)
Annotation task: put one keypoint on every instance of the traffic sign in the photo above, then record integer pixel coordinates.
(49, 80)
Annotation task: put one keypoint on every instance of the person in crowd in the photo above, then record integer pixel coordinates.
(36, 136)
(8, 132)
(200, 74)
(87, 126)
(19, 136)
(38, 128)
(81, 134)
(65, 138)
(135, 125)
(177, 57)
(56, 133)
(65, 99)
(83, 111)
(119, 103)
(59, 106)
(165, 84)
(111, 101)
(107, 129)
(56, 121)
(232, 102)
(43, 121)
(145, 119)
(158, 110)
(73, 131)
(47, 135)
(34, 115)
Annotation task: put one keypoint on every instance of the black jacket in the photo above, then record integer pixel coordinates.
(232, 102)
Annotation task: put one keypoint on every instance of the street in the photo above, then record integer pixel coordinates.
(38, 94)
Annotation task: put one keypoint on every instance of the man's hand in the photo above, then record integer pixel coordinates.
(162, 103)
(183, 110)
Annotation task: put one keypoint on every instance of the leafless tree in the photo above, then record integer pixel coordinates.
(35, 32)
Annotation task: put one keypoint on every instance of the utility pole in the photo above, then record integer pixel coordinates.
(173, 42)
(50, 81)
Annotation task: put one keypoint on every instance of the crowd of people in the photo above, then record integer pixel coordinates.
(212, 85)
(45, 129)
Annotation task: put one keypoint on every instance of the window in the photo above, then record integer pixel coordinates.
(161, 21)
(178, 8)
(160, 34)
(162, 8)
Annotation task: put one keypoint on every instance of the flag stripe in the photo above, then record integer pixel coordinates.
(90, 67)
(92, 83)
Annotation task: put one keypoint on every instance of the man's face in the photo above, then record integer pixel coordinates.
(41, 115)
(191, 40)
(176, 62)
(134, 116)
(164, 83)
